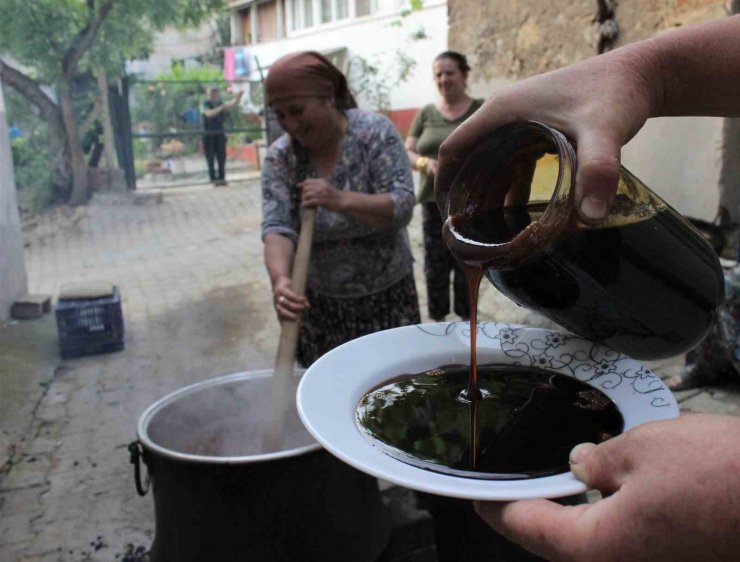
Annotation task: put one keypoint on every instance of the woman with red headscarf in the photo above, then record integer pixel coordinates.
(351, 165)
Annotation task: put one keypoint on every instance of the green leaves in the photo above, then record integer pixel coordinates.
(59, 43)
(372, 79)
(39, 34)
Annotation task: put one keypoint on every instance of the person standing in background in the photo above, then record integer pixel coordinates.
(214, 139)
(430, 127)
(460, 535)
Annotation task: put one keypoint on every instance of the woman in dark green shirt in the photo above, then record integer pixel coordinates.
(431, 126)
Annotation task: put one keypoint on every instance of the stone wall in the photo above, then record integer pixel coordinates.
(506, 41)
(511, 40)
(13, 280)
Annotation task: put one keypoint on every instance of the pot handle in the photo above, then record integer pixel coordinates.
(137, 455)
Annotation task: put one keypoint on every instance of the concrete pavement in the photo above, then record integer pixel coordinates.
(197, 305)
(190, 270)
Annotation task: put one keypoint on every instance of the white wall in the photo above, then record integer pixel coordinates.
(680, 158)
(377, 37)
(171, 44)
(13, 280)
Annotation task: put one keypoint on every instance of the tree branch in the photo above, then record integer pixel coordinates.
(29, 89)
(84, 40)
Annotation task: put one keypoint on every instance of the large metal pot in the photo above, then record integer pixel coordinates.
(215, 499)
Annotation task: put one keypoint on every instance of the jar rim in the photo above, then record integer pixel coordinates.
(522, 144)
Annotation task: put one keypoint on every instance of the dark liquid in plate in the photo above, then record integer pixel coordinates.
(637, 287)
(643, 287)
(528, 420)
(642, 284)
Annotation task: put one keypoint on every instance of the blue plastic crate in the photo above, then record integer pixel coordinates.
(88, 326)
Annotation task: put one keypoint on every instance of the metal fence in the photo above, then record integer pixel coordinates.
(166, 131)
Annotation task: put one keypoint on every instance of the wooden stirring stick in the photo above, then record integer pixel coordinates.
(289, 329)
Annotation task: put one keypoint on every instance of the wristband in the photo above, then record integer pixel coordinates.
(421, 163)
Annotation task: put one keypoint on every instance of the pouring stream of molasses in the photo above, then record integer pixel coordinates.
(473, 276)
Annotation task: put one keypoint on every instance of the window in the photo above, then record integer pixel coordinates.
(294, 14)
(246, 22)
(332, 10)
(308, 13)
(365, 7)
(326, 11)
(342, 10)
(301, 12)
(267, 22)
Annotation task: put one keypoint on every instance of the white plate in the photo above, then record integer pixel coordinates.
(331, 388)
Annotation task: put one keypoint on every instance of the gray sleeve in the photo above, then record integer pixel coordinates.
(390, 171)
(280, 214)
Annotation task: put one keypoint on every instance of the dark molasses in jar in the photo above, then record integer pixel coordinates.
(643, 282)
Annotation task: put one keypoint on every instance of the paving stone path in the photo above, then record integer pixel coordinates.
(196, 304)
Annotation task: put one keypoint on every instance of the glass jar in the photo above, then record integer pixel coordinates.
(643, 282)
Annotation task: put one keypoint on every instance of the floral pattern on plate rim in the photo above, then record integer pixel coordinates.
(565, 353)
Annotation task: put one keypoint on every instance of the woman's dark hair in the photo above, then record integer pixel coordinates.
(459, 58)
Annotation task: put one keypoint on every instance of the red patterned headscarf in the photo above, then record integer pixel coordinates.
(307, 74)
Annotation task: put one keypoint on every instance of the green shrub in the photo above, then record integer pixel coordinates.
(32, 175)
